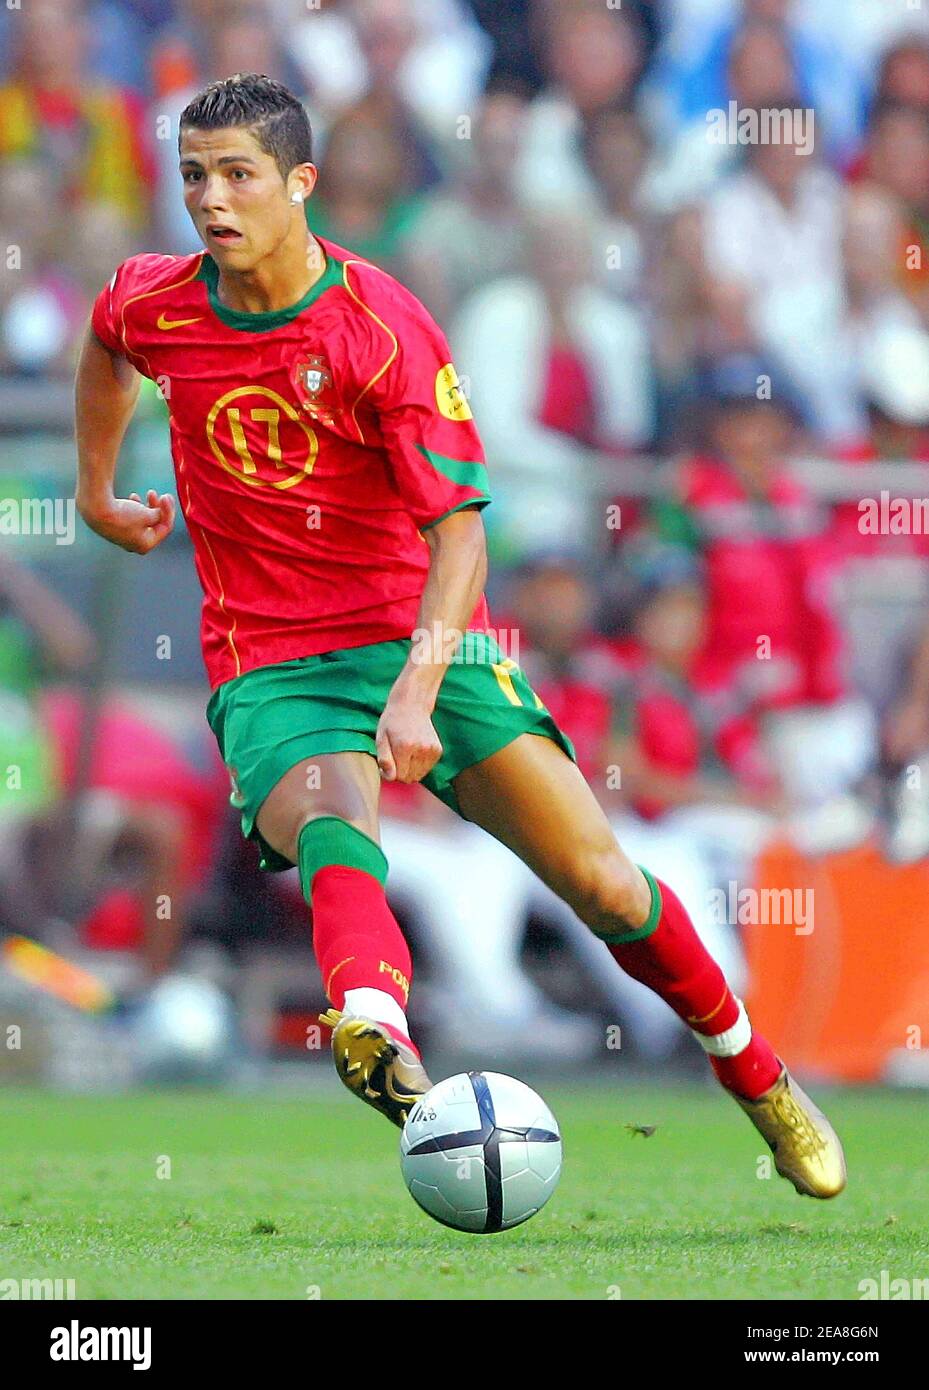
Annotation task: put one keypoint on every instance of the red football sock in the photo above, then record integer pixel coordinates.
(673, 961)
(356, 938)
(373, 955)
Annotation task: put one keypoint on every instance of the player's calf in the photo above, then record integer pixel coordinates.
(665, 953)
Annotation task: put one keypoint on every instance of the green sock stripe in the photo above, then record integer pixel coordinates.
(651, 922)
(331, 840)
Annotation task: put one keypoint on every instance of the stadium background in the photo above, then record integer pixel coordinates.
(691, 361)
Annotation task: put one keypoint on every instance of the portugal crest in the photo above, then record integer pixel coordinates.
(314, 376)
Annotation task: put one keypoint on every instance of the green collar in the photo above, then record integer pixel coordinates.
(270, 318)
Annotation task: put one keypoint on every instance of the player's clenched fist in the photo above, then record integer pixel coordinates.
(407, 744)
(130, 522)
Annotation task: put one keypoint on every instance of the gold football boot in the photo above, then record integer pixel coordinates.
(374, 1067)
(806, 1148)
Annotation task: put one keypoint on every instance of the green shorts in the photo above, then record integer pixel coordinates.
(268, 720)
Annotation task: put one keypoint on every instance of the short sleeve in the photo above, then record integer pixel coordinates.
(433, 447)
(103, 317)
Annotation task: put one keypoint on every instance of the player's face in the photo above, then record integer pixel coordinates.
(236, 197)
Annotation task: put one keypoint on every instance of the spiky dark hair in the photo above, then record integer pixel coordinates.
(272, 113)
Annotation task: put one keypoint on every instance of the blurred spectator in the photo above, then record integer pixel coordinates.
(862, 32)
(91, 133)
(364, 199)
(44, 306)
(119, 37)
(143, 836)
(148, 816)
(426, 55)
(693, 74)
(41, 307)
(558, 368)
(184, 45)
(387, 35)
(471, 231)
(429, 56)
(895, 366)
(515, 59)
(886, 248)
(616, 150)
(903, 76)
(120, 34)
(890, 347)
(677, 290)
(242, 38)
(769, 575)
(687, 733)
(39, 637)
(874, 253)
(571, 667)
(771, 249)
(896, 163)
(761, 538)
(689, 718)
(518, 32)
(592, 58)
(759, 64)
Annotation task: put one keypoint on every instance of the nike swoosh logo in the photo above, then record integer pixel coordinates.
(175, 323)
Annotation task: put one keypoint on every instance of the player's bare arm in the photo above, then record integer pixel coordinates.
(106, 391)
(407, 743)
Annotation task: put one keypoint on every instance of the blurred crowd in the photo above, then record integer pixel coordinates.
(544, 164)
(619, 283)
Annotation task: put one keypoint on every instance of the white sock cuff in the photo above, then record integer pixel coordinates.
(730, 1043)
(376, 1004)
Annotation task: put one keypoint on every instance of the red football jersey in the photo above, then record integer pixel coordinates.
(312, 445)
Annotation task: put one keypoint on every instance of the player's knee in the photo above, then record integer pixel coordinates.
(612, 894)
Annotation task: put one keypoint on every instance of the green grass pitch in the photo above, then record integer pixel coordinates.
(273, 1198)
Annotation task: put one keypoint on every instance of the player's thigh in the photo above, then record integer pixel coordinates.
(346, 785)
(534, 799)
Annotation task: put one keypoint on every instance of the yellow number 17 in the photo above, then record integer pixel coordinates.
(262, 416)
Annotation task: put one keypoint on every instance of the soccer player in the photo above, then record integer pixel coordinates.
(332, 481)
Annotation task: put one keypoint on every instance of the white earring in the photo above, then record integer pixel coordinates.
(296, 197)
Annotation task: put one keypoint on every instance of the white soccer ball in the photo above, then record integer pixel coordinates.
(481, 1152)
